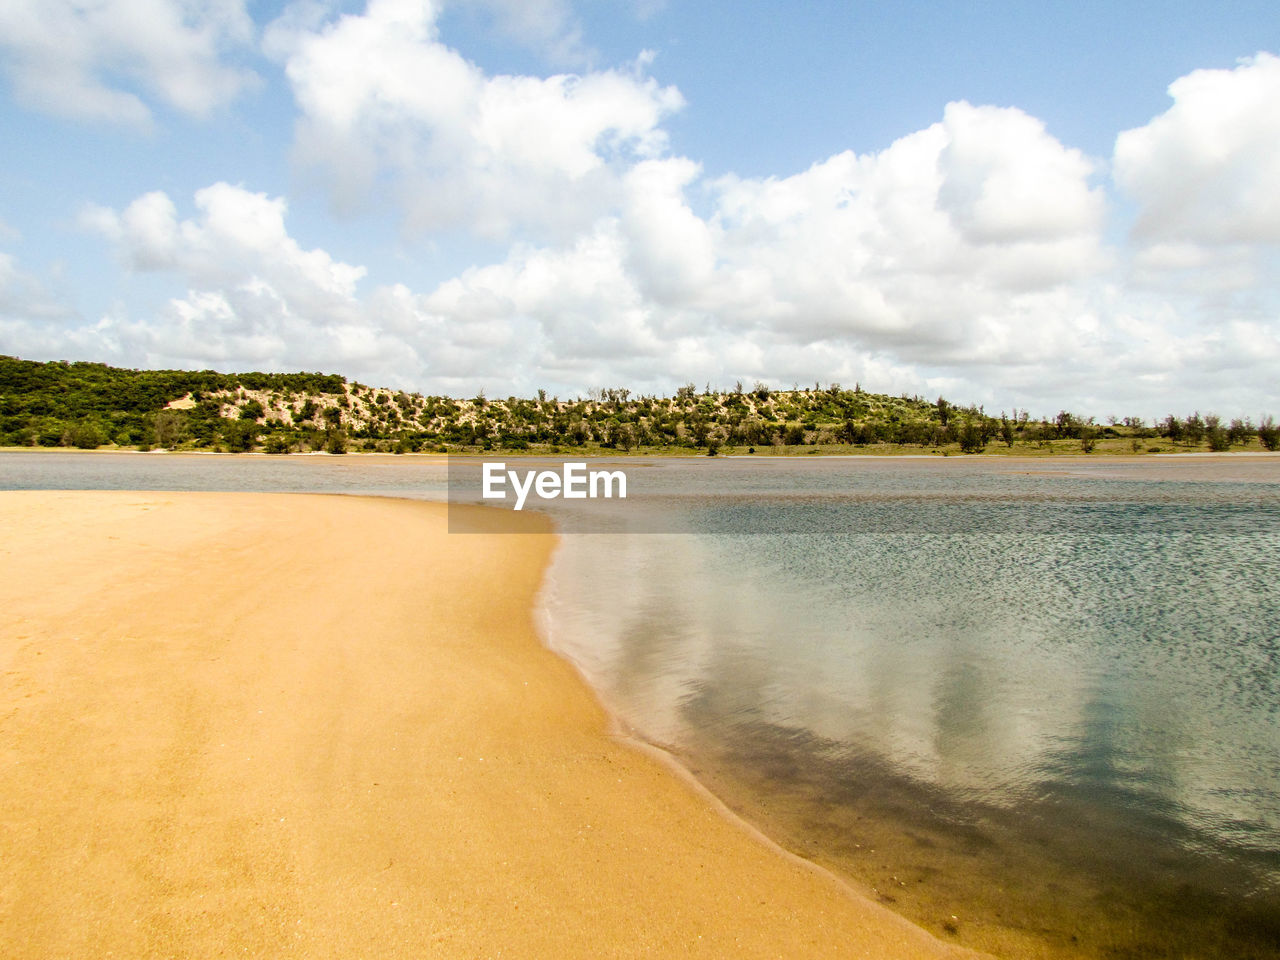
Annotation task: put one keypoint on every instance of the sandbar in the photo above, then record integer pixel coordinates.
(283, 725)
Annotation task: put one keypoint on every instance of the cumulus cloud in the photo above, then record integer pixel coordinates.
(237, 236)
(256, 297)
(670, 250)
(969, 258)
(966, 257)
(99, 60)
(1205, 171)
(384, 103)
(937, 246)
(1206, 237)
(1005, 180)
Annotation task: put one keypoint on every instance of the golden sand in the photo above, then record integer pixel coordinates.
(282, 725)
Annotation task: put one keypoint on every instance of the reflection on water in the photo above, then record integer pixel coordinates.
(1068, 736)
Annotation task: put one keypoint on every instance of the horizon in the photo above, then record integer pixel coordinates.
(1071, 208)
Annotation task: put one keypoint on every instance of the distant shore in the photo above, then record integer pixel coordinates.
(267, 725)
(788, 453)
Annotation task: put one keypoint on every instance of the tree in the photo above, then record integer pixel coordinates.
(971, 438)
(169, 427)
(239, 435)
(1006, 431)
(1269, 433)
(1219, 441)
(86, 436)
(305, 412)
(1240, 430)
(1194, 428)
(1067, 425)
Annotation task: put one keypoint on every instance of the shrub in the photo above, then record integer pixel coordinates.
(86, 436)
(239, 435)
(971, 438)
(1269, 433)
(169, 427)
(1240, 431)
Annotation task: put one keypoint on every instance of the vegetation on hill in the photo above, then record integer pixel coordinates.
(90, 405)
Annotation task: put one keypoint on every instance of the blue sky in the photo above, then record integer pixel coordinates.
(1019, 205)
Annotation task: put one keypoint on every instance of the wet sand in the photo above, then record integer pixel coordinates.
(287, 725)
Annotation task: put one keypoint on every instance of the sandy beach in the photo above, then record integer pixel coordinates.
(284, 725)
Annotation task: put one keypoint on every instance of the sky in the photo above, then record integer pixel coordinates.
(1025, 206)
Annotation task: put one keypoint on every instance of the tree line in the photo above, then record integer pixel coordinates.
(89, 405)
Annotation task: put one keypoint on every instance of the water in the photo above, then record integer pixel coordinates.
(392, 476)
(1033, 705)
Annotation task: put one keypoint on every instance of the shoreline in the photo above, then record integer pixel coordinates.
(800, 455)
(320, 725)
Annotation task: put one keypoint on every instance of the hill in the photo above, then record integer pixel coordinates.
(90, 405)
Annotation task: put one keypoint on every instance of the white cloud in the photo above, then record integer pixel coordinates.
(239, 236)
(256, 297)
(23, 296)
(1206, 237)
(98, 60)
(37, 322)
(546, 26)
(384, 104)
(1205, 171)
(1007, 181)
(669, 249)
(582, 301)
(938, 244)
(968, 257)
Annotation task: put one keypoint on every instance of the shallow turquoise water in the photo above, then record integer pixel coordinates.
(1069, 678)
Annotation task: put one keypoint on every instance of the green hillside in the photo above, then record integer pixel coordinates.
(90, 405)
